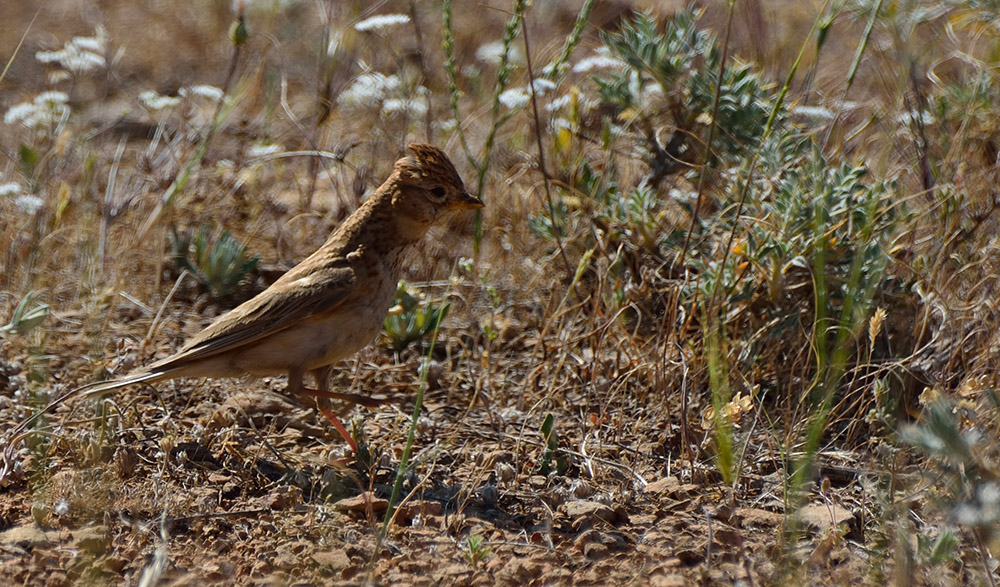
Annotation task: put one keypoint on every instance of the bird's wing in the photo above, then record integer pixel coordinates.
(273, 310)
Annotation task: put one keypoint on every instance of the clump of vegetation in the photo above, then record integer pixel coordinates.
(670, 80)
(412, 318)
(552, 461)
(220, 263)
(23, 320)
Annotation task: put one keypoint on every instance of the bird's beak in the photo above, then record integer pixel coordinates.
(466, 202)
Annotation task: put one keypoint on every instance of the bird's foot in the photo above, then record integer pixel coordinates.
(329, 415)
(340, 428)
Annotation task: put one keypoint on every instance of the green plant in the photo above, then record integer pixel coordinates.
(220, 264)
(476, 550)
(965, 475)
(809, 211)
(23, 320)
(505, 71)
(671, 79)
(553, 461)
(410, 320)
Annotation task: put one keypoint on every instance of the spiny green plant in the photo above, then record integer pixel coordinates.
(671, 79)
(221, 263)
(805, 208)
(966, 478)
(410, 321)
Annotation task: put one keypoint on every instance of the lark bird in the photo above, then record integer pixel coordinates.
(331, 304)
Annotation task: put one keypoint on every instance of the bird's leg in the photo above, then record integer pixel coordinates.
(322, 375)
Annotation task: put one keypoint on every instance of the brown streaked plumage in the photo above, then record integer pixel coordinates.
(331, 304)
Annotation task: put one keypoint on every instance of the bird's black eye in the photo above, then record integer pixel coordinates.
(438, 192)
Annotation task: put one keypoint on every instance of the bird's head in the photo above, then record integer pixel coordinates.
(428, 185)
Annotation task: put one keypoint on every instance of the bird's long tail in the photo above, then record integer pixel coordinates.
(13, 437)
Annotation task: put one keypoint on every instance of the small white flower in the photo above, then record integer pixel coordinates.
(10, 189)
(155, 101)
(203, 90)
(263, 150)
(19, 112)
(542, 86)
(381, 22)
(28, 203)
(92, 44)
(559, 103)
(447, 125)
(514, 98)
(412, 107)
(83, 61)
(369, 89)
(73, 58)
(62, 507)
(598, 61)
(96, 44)
(51, 98)
(47, 109)
(492, 53)
(813, 112)
(48, 56)
(560, 123)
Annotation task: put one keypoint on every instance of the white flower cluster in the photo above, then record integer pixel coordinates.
(27, 203)
(414, 108)
(375, 89)
(205, 91)
(11, 188)
(369, 90)
(156, 101)
(492, 53)
(381, 22)
(45, 111)
(601, 59)
(78, 56)
(516, 98)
